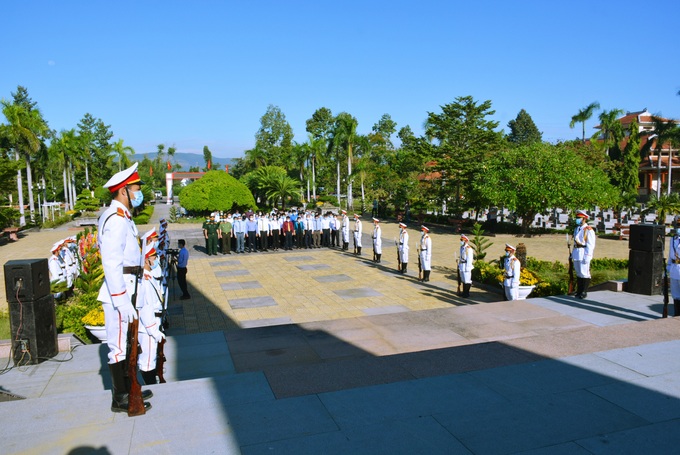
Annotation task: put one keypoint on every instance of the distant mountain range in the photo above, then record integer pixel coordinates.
(188, 160)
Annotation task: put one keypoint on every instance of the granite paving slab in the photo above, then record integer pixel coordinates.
(240, 285)
(225, 263)
(252, 302)
(357, 293)
(385, 310)
(311, 267)
(333, 278)
(266, 322)
(299, 258)
(223, 273)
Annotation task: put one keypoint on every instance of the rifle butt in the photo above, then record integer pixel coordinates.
(160, 361)
(135, 402)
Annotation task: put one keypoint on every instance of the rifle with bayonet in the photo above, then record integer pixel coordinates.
(458, 291)
(665, 290)
(396, 243)
(420, 267)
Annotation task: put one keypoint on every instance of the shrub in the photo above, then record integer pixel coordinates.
(144, 216)
(480, 243)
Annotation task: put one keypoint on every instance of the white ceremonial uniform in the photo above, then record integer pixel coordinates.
(377, 240)
(403, 246)
(466, 263)
(584, 246)
(119, 247)
(149, 304)
(345, 229)
(511, 277)
(357, 233)
(673, 266)
(57, 268)
(426, 252)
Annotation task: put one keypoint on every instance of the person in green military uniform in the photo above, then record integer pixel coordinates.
(224, 233)
(210, 232)
(203, 227)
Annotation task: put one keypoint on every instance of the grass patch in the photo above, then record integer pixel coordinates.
(5, 332)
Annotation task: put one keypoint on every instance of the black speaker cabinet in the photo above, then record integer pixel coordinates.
(647, 237)
(34, 330)
(30, 276)
(645, 272)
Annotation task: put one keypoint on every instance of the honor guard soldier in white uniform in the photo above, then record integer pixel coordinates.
(357, 234)
(121, 254)
(513, 269)
(345, 230)
(403, 248)
(425, 253)
(150, 305)
(466, 264)
(377, 240)
(56, 265)
(673, 267)
(582, 254)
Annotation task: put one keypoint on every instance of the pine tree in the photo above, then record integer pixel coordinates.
(523, 130)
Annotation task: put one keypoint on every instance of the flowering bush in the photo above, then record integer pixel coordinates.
(94, 317)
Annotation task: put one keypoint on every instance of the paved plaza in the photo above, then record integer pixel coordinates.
(320, 351)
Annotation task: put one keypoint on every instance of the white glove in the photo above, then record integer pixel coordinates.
(127, 313)
(157, 335)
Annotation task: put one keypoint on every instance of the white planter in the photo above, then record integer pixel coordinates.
(98, 331)
(524, 292)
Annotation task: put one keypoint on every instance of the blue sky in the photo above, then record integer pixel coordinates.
(200, 73)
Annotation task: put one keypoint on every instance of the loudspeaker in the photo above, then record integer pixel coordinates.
(645, 272)
(30, 276)
(647, 237)
(34, 330)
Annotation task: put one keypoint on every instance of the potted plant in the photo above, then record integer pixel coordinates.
(94, 322)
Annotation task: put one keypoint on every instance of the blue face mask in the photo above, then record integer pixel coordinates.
(677, 231)
(155, 264)
(579, 221)
(137, 198)
(507, 254)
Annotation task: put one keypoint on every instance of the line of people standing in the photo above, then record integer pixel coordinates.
(256, 232)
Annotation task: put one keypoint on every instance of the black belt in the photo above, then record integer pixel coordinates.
(509, 276)
(132, 270)
(579, 246)
(158, 315)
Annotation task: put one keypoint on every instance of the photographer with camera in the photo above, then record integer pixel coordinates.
(182, 262)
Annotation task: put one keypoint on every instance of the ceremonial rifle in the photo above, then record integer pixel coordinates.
(458, 291)
(398, 255)
(570, 291)
(135, 402)
(420, 269)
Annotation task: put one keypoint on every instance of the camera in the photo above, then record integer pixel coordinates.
(172, 251)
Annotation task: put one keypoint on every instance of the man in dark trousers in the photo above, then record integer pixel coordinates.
(182, 262)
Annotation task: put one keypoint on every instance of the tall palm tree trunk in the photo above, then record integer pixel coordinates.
(314, 177)
(29, 185)
(20, 193)
(66, 192)
(338, 185)
(670, 168)
(73, 187)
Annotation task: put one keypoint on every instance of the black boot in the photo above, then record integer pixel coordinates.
(119, 390)
(426, 275)
(466, 290)
(378, 257)
(579, 288)
(584, 292)
(358, 251)
(676, 307)
(146, 394)
(149, 377)
(405, 266)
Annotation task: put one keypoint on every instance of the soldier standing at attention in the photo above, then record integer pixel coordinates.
(118, 242)
(582, 254)
(150, 311)
(466, 264)
(403, 248)
(345, 230)
(357, 234)
(224, 234)
(673, 267)
(513, 269)
(377, 240)
(210, 232)
(426, 253)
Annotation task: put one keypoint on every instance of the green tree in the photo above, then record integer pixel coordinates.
(216, 190)
(530, 179)
(611, 132)
(583, 116)
(344, 137)
(274, 138)
(465, 137)
(523, 130)
(663, 205)
(207, 157)
(95, 151)
(665, 133)
(122, 151)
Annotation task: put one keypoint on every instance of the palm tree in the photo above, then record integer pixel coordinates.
(122, 152)
(316, 149)
(282, 187)
(665, 132)
(25, 131)
(611, 129)
(583, 116)
(344, 135)
(664, 205)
